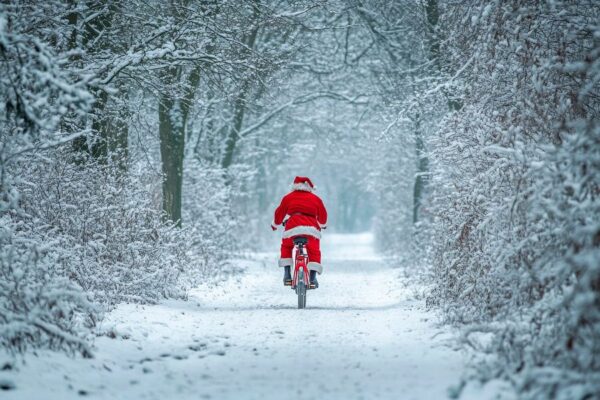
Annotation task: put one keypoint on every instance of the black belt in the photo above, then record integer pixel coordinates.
(306, 215)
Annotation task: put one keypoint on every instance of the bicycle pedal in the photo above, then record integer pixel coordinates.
(311, 286)
(287, 283)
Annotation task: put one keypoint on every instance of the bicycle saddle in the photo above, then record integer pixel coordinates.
(300, 240)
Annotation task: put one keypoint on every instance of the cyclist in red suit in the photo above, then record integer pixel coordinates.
(304, 215)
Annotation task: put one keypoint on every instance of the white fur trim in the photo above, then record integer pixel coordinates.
(302, 230)
(303, 186)
(313, 266)
(285, 262)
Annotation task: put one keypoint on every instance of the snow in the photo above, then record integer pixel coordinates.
(364, 335)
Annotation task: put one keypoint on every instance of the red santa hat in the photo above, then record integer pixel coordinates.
(303, 183)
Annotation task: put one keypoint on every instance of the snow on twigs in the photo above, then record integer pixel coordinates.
(79, 232)
(144, 143)
(491, 179)
(514, 201)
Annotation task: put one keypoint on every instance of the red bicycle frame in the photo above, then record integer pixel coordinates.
(300, 263)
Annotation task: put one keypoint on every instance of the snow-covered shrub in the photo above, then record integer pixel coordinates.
(110, 238)
(77, 235)
(211, 225)
(39, 305)
(515, 180)
(393, 185)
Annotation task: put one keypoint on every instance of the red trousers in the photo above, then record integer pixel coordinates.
(312, 247)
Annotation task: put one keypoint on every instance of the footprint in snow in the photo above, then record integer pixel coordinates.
(6, 385)
(175, 356)
(7, 366)
(197, 347)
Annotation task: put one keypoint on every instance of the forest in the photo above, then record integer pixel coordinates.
(144, 145)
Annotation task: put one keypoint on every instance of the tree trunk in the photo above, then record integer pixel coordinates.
(172, 118)
(118, 134)
(422, 169)
(241, 103)
(99, 148)
(172, 138)
(110, 141)
(433, 42)
(80, 143)
(234, 131)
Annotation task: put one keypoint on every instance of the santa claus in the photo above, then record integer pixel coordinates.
(304, 215)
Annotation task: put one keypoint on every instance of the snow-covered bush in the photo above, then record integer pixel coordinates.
(515, 180)
(211, 224)
(110, 238)
(39, 306)
(78, 233)
(393, 185)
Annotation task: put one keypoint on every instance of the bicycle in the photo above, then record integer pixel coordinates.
(301, 278)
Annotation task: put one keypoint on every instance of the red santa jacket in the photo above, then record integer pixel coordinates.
(304, 212)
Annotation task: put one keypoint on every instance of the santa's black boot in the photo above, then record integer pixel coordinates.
(287, 276)
(313, 280)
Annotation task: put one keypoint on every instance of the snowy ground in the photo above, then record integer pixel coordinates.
(363, 336)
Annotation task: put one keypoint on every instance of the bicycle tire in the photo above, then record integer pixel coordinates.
(305, 296)
(301, 290)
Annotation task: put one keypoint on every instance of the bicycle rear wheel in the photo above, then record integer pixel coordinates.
(301, 290)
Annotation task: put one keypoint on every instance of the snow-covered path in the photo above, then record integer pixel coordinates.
(363, 336)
